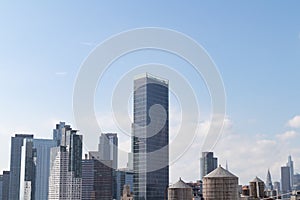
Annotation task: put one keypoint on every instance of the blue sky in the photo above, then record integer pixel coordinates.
(255, 44)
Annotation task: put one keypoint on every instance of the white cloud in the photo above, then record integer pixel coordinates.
(287, 135)
(248, 155)
(251, 155)
(90, 44)
(295, 122)
(60, 73)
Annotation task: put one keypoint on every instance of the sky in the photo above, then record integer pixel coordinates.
(254, 44)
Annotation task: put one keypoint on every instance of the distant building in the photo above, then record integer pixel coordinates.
(269, 185)
(290, 164)
(257, 188)
(108, 148)
(5, 186)
(94, 155)
(42, 166)
(277, 188)
(97, 179)
(297, 181)
(17, 143)
(123, 177)
(197, 188)
(27, 171)
(180, 191)
(65, 179)
(130, 161)
(1, 186)
(285, 181)
(208, 163)
(220, 184)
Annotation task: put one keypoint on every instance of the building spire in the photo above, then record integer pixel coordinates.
(226, 165)
(269, 185)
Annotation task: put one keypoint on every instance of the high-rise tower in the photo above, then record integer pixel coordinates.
(269, 185)
(285, 181)
(42, 169)
(150, 138)
(17, 150)
(108, 148)
(208, 163)
(290, 164)
(65, 180)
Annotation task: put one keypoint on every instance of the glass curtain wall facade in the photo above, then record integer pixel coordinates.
(150, 136)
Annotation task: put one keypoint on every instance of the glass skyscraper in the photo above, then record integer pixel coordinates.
(208, 163)
(150, 138)
(285, 181)
(5, 187)
(42, 147)
(108, 148)
(97, 179)
(17, 143)
(65, 179)
(290, 164)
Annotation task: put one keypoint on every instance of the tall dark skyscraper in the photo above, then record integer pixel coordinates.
(285, 181)
(1, 185)
(290, 164)
(28, 169)
(42, 168)
(150, 136)
(5, 187)
(17, 143)
(97, 179)
(208, 163)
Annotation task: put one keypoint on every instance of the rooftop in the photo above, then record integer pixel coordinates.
(179, 185)
(257, 180)
(220, 172)
(148, 75)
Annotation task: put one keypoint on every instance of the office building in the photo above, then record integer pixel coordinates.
(276, 186)
(180, 191)
(28, 167)
(59, 133)
(220, 184)
(1, 186)
(208, 163)
(150, 137)
(65, 180)
(197, 189)
(108, 148)
(297, 181)
(123, 177)
(285, 182)
(5, 186)
(269, 185)
(17, 143)
(130, 161)
(290, 164)
(257, 188)
(42, 167)
(97, 179)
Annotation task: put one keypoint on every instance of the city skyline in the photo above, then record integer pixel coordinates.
(258, 59)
